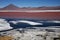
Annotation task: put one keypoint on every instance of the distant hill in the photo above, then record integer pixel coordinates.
(14, 7)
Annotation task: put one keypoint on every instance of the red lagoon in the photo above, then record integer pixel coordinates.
(40, 15)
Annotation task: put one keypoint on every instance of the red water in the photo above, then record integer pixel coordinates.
(40, 15)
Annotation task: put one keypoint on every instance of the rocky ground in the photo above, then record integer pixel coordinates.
(31, 34)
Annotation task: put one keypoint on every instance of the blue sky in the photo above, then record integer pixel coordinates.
(30, 3)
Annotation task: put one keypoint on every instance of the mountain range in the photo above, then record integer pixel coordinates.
(14, 7)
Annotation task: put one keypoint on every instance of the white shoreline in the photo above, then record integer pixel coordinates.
(29, 10)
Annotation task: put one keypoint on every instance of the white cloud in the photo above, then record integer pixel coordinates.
(4, 25)
(25, 21)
